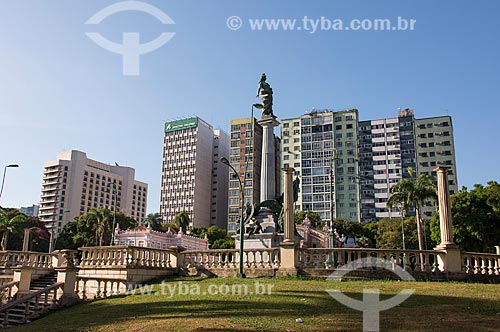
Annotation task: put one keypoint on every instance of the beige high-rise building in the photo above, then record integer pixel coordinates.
(192, 178)
(74, 184)
(245, 156)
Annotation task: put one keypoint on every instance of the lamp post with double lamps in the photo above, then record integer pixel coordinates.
(3, 178)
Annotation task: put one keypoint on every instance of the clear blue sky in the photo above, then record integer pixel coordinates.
(59, 90)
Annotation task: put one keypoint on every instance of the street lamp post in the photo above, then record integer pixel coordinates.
(115, 193)
(242, 221)
(333, 190)
(5, 171)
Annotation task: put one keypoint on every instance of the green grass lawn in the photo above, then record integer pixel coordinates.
(433, 307)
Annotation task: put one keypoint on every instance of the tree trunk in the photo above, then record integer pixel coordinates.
(420, 238)
(4, 240)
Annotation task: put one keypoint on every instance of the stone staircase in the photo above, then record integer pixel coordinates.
(43, 281)
(30, 309)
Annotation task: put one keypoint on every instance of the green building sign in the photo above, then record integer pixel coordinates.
(181, 124)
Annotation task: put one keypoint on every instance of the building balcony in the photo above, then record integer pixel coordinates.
(52, 169)
(50, 188)
(48, 213)
(47, 208)
(48, 201)
(50, 193)
(51, 182)
(51, 177)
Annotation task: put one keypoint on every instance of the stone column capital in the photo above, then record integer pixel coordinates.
(442, 169)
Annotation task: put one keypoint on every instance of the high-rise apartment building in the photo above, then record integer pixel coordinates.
(322, 148)
(74, 184)
(370, 157)
(386, 150)
(387, 147)
(245, 156)
(436, 147)
(192, 178)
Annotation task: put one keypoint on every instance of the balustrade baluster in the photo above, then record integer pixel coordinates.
(491, 266)
(84, 290)
(484, 266)
(477, 265)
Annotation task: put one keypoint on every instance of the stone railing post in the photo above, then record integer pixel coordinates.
(450, 260)
(57, 258)
(67, 273)
(288, 248)
(498, 249)
(23, 275)
(177, 259)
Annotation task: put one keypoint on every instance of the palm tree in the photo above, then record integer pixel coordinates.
(182, 220)
(100, 217)
(154, 220)
(408, 193)
(8, 225)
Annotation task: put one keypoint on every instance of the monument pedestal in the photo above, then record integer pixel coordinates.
(268, 238)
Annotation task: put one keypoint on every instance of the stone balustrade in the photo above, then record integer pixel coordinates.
(332, 258)
(88, 287)
(478, 263)
(10, 259)
(126, 256)
(7, 291)
(266, 258)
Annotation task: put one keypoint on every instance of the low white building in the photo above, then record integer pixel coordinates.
(145, 236)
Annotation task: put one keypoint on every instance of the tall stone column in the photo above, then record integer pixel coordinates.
(288, 252)
(288, 213)
(268, 163)
(445, 220)
(26, 239)
(449, 259)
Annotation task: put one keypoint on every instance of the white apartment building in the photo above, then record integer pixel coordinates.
(74, 184)
(192, 179)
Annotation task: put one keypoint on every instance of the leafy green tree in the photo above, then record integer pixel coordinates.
(9, 223)
(313, 217)
(368, 240)
(408, 193)
(390, 236)
(226, 243)
(476, 218)
(182, 220)
(166, 225)
(83, 232)
(344, 226)
(217, 238)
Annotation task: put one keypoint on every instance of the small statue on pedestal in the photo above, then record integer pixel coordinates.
(265, 92)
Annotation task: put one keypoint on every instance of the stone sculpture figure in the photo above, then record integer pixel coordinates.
(265, 93)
